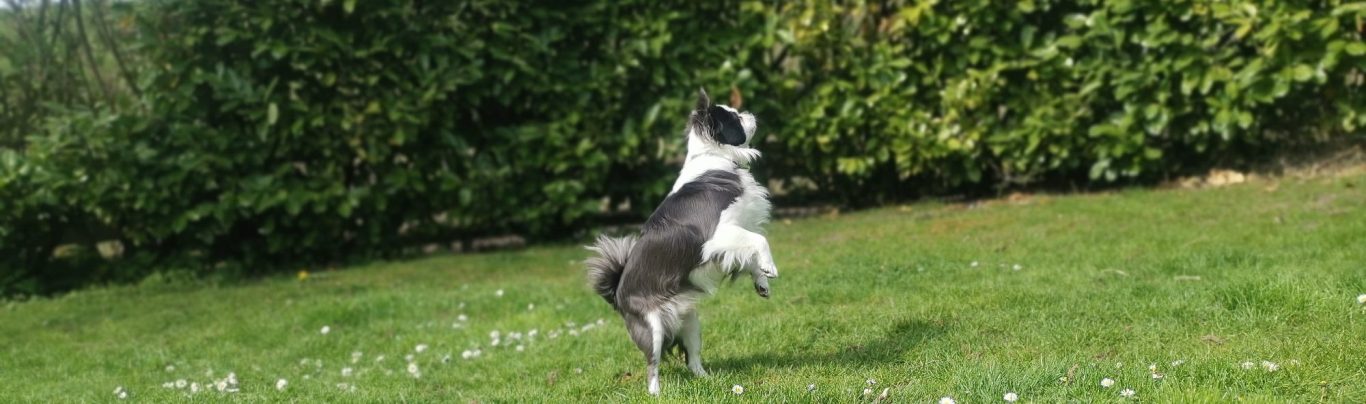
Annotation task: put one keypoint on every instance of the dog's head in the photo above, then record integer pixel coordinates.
(721, 126)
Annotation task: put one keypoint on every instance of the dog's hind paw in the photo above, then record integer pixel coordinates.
(762, 289)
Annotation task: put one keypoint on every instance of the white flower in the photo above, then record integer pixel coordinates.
(871, 382)
(1127, 393)
(462, 318)
(420, 348)
(520, 348)
(498, 293)
(446, 359)
(1016, 267)
(280, 384)
(181, 383)
(326, 329)
(1248, 365)
(737, 389)
(530, 306)
(1152, 367)
(810, 388)
(974, 265)
(1361, 298)
(170, 368)
(1270, 366)
(1107, 382)
(412, 370)
(1178, 362)
(1010, 397)
(867, 391)
(346, 372)
(120, 393)
(408, 358)
(379, 358)
(194, 387)
(578, 370)
(1158, 376)
(466, 354)
(168, 385)
(947, 400)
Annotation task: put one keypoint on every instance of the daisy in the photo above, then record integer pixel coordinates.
(737, 389)
(170, 368)
(412, 370)
(1270, 366)
(974, 265)
(420, 348)
(1107, 382)
(1016, 267)
(181, 383)
(498, 293)
(326, 329)
(346, 372)
(947, 400)
(1361, 298)
(867, 391)
(810, 388)
(120, 393)
(1178, 362)
(280, 384)
(1158, 376)
(446, 359)
(1127, 393)
(520, 348)
(871, 382)
(462, 318)
(1010, 397)
(1248, 365)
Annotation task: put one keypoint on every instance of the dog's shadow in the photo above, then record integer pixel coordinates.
(890, 348)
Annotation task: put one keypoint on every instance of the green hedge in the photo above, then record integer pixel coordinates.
(303, 132)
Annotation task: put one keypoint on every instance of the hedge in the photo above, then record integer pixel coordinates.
(302, 132)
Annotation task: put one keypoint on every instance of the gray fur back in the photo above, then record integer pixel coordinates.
(670, 244)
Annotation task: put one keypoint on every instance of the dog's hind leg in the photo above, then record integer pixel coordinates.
(647, 332)
(692, 343)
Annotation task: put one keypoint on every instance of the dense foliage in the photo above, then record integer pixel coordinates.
(301, 132)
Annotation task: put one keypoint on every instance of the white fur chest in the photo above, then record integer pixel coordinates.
(751, 210)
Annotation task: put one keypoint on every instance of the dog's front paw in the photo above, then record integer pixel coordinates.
(761, 287)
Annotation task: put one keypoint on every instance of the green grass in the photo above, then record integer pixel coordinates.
(1109, 283)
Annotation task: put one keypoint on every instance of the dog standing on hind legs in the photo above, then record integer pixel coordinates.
(707, 229)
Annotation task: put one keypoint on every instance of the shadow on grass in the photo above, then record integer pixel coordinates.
(890, 348)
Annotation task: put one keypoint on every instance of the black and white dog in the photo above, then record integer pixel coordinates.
(706, 230)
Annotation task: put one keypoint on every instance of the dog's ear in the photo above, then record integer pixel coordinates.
(725, 126)
(703, 101)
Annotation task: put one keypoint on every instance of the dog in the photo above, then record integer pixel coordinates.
(709, 228)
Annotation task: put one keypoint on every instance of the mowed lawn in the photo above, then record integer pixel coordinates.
(1246, 292)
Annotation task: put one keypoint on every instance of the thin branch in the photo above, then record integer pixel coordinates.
(102, 23)
(90, 53)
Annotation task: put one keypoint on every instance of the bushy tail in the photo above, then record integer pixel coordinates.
(604, 270)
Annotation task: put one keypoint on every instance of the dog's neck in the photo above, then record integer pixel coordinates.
(706, 156)
(699, 148)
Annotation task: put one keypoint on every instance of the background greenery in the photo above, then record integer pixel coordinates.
(252, 137)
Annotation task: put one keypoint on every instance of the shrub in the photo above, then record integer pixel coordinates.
(301, 132)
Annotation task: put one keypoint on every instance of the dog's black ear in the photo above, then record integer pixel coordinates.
(703, 101)
(725, 126)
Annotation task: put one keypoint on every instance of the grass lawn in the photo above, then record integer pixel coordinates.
(929, 300)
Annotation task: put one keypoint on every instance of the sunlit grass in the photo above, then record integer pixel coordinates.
(1043, 297)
